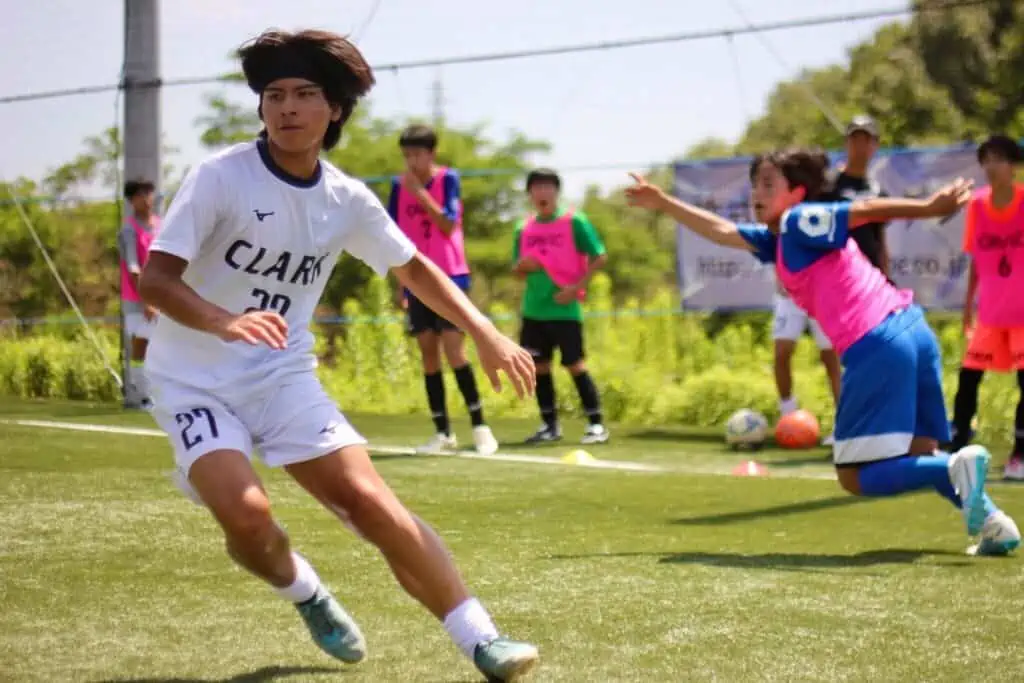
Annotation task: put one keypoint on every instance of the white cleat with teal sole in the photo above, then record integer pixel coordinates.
(333, 630)
(968, 469)
(505, 661)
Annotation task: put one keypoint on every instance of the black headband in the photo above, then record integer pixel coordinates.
(285, 63)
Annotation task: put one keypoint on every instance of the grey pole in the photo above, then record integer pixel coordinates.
(141, 84)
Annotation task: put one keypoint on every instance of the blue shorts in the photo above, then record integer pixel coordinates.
(891, 391)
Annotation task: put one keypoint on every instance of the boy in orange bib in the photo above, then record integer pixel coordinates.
(994, 237)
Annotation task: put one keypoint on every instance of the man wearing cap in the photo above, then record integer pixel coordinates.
(853, 182)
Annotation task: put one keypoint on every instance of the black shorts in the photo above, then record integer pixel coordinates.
(541, 337)
(421, 318)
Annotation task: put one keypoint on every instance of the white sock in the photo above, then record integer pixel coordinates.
(468, 625)
(305, 584)
(788, 405)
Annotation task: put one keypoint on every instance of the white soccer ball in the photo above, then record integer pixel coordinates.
(747, 428)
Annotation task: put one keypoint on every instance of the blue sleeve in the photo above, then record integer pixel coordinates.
(817, 226)
(393, 200)
(452, 195)
(761, 239)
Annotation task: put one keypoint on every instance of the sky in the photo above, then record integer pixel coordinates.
(635, 106)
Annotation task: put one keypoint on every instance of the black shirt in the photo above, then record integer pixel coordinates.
(870, 237)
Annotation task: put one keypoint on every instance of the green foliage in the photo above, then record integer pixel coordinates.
(653, 366)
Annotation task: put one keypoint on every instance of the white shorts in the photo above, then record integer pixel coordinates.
(293, 423)
(790, 321)
(136, 325)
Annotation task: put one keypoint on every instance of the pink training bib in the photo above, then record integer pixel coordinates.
(553, 246)
(143, 238)
(995, 240)
(447, 251)
(842, 291)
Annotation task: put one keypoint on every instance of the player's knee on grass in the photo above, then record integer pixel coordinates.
(849, 479)
(430, 350)
(923, 445)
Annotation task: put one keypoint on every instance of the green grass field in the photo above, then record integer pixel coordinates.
(107, 573)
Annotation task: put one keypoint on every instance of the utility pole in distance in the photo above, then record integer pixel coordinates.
(141, 85)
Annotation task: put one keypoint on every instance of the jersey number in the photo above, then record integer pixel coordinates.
(270, 302)
(1005, 267)
(189, 420)
(427, 228)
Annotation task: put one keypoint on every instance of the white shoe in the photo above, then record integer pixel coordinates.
(441, 443)
(595, 434)
(484, 440)
(829, 440)
(968, 469)
(1014, 470)
(999, 536)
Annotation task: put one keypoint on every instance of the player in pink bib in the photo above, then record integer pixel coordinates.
(426, 204)
(994, 237)
(891, 415)
(133, 243)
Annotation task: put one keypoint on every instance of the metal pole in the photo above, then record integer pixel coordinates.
(141, 84)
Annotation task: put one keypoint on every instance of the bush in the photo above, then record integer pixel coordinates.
(651, 365)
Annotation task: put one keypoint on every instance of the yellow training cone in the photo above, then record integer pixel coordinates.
(578, 457)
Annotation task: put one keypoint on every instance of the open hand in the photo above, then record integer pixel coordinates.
(951, 197)
(498, 353)
(643, 194)
(255, 328)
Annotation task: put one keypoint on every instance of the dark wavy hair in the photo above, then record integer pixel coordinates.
(325, 58)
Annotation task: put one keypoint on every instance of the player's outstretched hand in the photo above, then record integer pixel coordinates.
(643, 194)
(499, 354)
(950, 198)
(255, 328)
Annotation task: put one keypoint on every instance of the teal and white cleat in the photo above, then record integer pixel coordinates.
(333, 630)
(503, 660)
(968, 469)
(999, 536)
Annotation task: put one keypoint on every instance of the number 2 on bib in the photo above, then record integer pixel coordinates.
(278, 303)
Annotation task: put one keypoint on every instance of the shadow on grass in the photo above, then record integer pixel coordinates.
(789, 561)
(776, 511)
(264, 675)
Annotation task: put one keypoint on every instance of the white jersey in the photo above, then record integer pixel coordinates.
(256, 238)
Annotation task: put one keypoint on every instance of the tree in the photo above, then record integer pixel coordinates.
(976, 55)
(708, 148)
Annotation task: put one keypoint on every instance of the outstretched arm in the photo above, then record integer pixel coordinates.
(946, 201)
(430, 285)
(708, 225)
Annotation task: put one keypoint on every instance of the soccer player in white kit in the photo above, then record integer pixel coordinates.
(246, 248)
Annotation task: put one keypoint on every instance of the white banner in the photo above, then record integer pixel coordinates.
(925, 255)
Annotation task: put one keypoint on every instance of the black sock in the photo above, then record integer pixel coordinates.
(467, 385)
(965, 405)
(588, 395)
(546, 399)
(1018, 425)
(435, 399)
